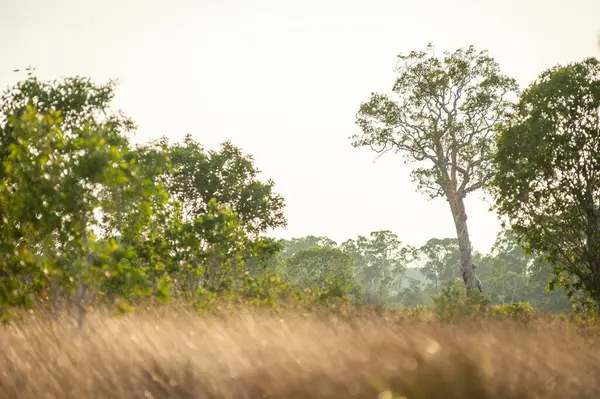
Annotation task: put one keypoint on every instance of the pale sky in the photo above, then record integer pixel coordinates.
(284, 79)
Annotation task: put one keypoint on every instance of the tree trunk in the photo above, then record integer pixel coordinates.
(459, 214)
(80, 299)
(82, 286)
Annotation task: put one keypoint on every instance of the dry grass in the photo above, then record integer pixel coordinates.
(182, 355)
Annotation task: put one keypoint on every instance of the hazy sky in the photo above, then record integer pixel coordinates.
(283, 80)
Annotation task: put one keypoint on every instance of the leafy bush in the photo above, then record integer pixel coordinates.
(453, 302)
(520, 310)
(86, 218)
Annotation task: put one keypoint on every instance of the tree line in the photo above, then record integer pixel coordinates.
(86, 216)
(379, 270)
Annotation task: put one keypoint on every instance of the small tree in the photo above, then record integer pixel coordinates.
(442, 120)
(50, 193)
(547, 180)
(62, 152)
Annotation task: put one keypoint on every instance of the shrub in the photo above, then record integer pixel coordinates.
(519, 310)
(453, 302)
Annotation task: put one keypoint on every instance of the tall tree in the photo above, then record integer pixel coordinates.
(442, 119)
(547, 180)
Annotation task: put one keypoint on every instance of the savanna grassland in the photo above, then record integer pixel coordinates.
(93, 222)
(176, 353)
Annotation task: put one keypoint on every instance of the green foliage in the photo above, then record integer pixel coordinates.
(453, 302)
(450, 301)
(520, 310)
(284, 249)
(441, 260)
(322, 267)
(51, 189)
(290, 247)
(86, 217)
(267, 256)
(62, 152)
(440, 116)
(539, 276)
(510, 275)
(267, 290)
(197, 176)
(77, 98)
(415, 294)
(505, 270)
(508, 272)
(547, 173)
(380, 261)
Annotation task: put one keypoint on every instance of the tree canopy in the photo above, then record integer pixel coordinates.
(441, 260)
(547, 172)
(381, 260)
(321, 267)
(196, 176)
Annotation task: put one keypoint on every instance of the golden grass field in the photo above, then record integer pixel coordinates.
(179, 354)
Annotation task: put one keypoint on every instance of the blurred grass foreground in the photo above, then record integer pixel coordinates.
(177, 353)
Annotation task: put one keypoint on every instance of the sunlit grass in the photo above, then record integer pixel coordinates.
(174, 353)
